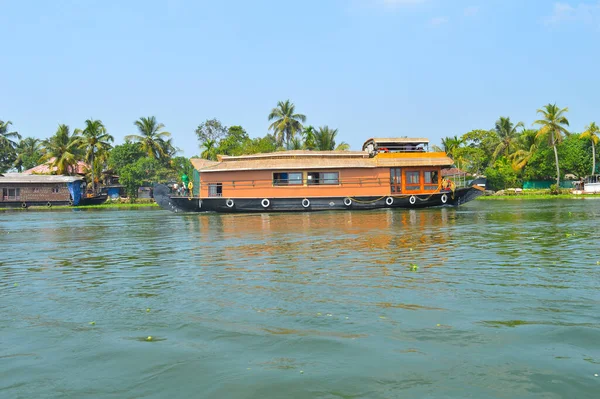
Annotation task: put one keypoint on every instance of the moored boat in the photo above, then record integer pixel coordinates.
(388, 173)
(20, 190)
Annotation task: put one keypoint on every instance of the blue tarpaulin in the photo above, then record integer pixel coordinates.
(75, 190)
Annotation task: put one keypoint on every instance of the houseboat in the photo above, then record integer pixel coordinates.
(388, 173)
(19, 190)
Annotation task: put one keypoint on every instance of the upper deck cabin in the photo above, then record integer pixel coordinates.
(397, 145)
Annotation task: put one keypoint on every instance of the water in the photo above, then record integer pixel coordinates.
(494, 299)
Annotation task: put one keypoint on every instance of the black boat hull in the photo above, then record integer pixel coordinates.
(96, 200)
(248, 205)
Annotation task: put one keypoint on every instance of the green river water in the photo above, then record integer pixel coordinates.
(495, 299)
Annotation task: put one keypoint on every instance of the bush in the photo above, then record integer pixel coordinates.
(555, 190)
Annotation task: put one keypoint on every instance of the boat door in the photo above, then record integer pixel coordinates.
(396, 180)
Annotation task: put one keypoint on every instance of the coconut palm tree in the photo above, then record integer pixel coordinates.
(591, 133)
(210, 150)
(6, 137)
(507, 135)
(62, 149)
(28, 153)
(151, 136)
(95, 142)
(325, 138)
(169, 148)
(527, 146)
(286, 122)
(308, 133)
(450, 145)
(553, 127)
(343, 146)
(295, 143)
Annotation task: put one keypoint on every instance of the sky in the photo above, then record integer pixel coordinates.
(370, 68)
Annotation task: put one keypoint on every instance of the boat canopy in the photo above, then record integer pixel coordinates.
(396, 144)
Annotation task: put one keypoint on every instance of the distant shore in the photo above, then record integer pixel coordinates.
(106, 205)
(528, 196)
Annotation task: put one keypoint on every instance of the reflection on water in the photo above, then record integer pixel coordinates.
(501, 298)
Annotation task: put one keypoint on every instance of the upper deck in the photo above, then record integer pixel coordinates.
(377, 153)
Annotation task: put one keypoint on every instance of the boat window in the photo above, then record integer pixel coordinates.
(412, 180)
(11, 194)
(215, 190)
(287, 178)
(55, 189)
(430, 178)
(315, 178)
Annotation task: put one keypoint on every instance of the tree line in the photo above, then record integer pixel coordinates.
(510, 153)
(287, 132)
(507, 154)
(146, 157)
(150, 156)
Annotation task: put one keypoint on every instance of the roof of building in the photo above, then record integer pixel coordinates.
(27, 178)
(45, 169)
(293, 160)
(453, 172)
(296, 154)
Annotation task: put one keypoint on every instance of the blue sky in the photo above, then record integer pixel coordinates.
(431, 68)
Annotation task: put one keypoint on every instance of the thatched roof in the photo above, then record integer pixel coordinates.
(299, 154)
(19, 178)
(200, 163)
(294, 160)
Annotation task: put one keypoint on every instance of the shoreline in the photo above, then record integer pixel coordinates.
(512, 197)
(116, 205)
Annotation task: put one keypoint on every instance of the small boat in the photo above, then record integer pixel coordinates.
(93, 199)
(589, 185)
(388, 173)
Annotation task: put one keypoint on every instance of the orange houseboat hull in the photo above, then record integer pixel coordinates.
(460, 196)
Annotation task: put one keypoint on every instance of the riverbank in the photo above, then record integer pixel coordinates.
(535, 197)
(106, 205)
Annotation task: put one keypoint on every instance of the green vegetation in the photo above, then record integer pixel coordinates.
(507, 155)
(510, 154)
(8, 146)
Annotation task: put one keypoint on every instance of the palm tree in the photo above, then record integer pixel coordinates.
(6, 137)
(210, 150)
(28, 150)
(325, 138)
(308, 133)
(295, 143)
(450, 145)
(62, 149)
(286, 121)
(95, 141)
(553, 126)
(507, 134)
(343, 146)
(169, 148)
(151, 136)
(591, 133)
(528, 145)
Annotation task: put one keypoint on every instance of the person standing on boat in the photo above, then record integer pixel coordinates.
(186, 180)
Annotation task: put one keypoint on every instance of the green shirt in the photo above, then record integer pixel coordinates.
(185, 179)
